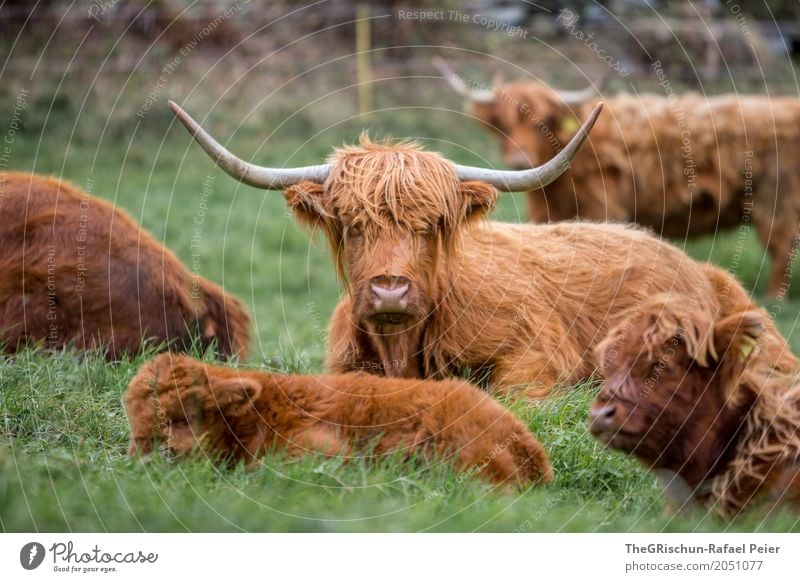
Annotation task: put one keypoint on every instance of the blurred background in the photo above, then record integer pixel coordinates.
(85, 86)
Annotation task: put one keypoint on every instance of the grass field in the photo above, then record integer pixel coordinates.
(63, 434)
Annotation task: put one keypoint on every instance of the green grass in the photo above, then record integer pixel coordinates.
(63, 434)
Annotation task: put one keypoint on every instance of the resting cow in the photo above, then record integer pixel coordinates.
(241, 414)
(683, 166)
(708, 400)
(75, 271)
(434, 289)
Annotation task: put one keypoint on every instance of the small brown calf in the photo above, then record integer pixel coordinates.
(240, 414)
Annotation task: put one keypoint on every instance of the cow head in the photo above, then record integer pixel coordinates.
(390, 212)
(672, 393)
(531, 120)
(223, 321)
(180, 404)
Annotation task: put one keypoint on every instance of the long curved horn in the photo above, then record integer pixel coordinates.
(535, 178)
(250, 174)
(459, 85)
(578, 97)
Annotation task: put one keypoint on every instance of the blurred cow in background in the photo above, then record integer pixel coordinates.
(683, 166)
(75, 271)
(433, 289)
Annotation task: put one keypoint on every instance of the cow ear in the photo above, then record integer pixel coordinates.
(235, 395)
(736, 338)
(479, 199)
(306, 201)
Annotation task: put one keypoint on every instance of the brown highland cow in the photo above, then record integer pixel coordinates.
(241, 414)
(709, 400)
(682, 166)
(76, 271)
(434, 289)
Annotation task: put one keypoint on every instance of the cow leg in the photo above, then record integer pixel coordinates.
(533, 375)
(318, 439)
(538, 209)
(779, 238)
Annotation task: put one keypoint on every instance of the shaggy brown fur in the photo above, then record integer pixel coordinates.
(240, 414)
(685, 166)
(709, 400)
(524, 304)
(76, 271)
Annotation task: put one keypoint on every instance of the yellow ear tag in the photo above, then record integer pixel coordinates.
(746, 347)
(570, 124)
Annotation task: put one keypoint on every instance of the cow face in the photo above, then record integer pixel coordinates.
(173, 402)
(391, 213)
(529, 119)
(671, 383)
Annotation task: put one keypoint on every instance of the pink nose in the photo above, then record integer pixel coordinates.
(389, 293)
(601, 418)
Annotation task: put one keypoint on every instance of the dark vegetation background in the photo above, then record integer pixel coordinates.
(87, 84)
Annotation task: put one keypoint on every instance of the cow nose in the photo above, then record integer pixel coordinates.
(390, 292)
(602, 418)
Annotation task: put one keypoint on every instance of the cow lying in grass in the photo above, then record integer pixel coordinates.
(434, 289)
(241, 414)
(710, 401)
(76, 271)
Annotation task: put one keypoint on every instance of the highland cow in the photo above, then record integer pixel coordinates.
(238, 415)
(75, 271)
(708, 400)
(683, 166)
(434, 290)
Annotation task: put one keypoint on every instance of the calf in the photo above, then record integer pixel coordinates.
(708, 400)
(240, 414)
(74, 270)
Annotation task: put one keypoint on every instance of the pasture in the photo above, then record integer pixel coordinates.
(63, 435)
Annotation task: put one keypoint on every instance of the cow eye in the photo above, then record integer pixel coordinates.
(655, 370)
(353, 232)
